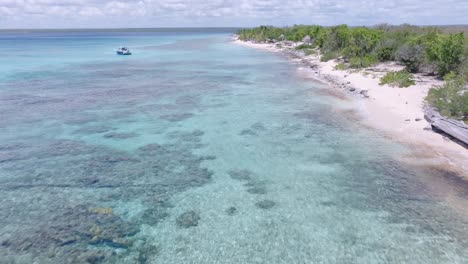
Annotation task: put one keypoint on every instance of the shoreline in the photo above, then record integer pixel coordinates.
(398, 113)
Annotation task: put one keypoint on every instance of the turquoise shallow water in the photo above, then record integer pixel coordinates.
(196, 150)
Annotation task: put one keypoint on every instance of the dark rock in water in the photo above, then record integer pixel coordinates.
(93, 130)
(114, 135)
(176, 117)
(258, 126)
(145, 252)
(241, 175)
(209, 157)
(248, 132)
(95, 259)
(81, 120)
(364, 93)
(154, 216)
(15, 146)
(328, 203)
(265, 204)
(7, 157)
(152, 149)
(257, 190)
(188, 219)
(114, 159)
(65, 147)
(231, 210)
(194, 136)
(89, 181)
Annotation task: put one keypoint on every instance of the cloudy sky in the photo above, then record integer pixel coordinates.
(218, 13)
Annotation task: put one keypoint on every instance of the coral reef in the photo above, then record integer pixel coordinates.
(265, 204)
(188, 219)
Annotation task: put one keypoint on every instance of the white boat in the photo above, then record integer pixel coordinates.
(123, 51)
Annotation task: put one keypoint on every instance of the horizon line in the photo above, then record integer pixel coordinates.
(226, 27)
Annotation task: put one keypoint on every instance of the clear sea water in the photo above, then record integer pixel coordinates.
(197, 150)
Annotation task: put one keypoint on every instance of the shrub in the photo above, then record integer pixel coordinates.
(398, 78)
(362, 62)
(330, 55)
(386, 50)
(340, 67)
(412, 56)
(463, 70)
(309, 52)
(451, 99)
(302, 47)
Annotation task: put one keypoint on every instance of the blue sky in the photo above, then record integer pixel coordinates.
(218, 13)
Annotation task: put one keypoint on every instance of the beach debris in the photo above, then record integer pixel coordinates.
(417, 119)
(453, 128)
(188, 219)
(265, 204)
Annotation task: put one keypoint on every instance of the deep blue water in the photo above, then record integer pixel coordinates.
(197, 150)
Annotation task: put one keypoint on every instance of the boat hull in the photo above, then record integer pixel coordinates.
(123, 53)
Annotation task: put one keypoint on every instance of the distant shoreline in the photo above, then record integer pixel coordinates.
(163, 29)
(396, 112)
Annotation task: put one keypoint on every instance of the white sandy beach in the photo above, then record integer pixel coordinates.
(397, 112)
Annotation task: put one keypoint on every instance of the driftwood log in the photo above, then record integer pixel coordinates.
(455, 129)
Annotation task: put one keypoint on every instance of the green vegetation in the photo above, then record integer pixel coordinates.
(340, 67)
(415, 47)
(398, 78)
(442, 51)
(307, 49)
(446, 52)
(451, 99)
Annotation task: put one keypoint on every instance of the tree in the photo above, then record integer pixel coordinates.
(446, 52)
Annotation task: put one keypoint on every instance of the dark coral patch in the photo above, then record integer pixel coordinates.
(240, 175)
(188, 219)
(265, 204)
(114, 135)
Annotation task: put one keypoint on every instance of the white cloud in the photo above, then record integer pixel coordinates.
(154, 13)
